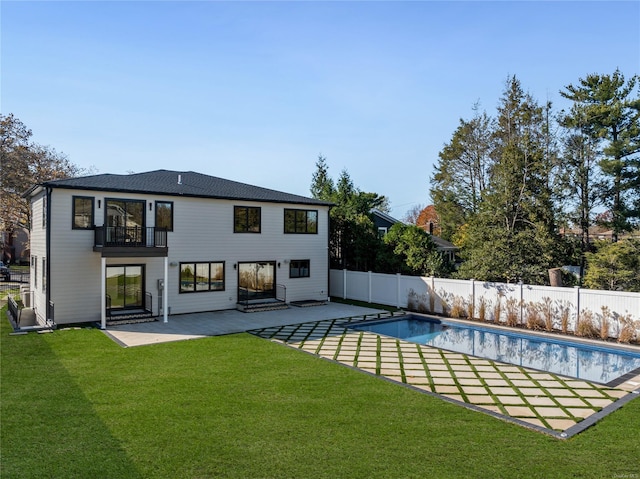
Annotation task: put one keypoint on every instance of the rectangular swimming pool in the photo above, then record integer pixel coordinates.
(566, 358)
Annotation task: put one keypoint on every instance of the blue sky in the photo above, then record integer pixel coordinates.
(255, 91)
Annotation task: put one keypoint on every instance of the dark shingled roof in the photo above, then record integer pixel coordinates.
(192, 184)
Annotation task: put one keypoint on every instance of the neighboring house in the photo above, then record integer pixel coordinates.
(169, 242)
(14, 248)
(384, 222)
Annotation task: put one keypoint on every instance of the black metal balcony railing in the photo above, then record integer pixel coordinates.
(130, 236)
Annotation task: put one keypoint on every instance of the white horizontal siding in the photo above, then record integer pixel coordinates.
(202, 232)
(38, 245)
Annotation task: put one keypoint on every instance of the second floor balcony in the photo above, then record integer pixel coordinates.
(130, 241)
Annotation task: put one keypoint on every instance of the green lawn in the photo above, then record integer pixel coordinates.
(76, 405)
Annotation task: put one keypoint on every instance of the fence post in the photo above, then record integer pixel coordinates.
(472, 283)
(577, 301)
(398, 279)
(344, 283)
(521, 301)
(369, 277)
(432, 295)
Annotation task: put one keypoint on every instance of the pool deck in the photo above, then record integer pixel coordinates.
(549, 403)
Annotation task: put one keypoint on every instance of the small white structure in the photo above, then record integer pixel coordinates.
(168, 242)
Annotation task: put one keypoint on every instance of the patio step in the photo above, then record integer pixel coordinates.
(132, 318)
(262, 306)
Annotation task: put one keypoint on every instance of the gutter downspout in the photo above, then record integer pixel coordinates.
(329, 254)
(103, 293)
(47, 272)
(165, 292)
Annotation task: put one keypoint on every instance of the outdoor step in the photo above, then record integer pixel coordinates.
(259, 307)
(131, 319)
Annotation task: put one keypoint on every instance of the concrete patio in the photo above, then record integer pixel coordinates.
(216, 323)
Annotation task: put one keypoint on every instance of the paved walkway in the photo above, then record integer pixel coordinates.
(546, 402)
(216, 323)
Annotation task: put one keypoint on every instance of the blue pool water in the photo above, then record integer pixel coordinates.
(567, 358)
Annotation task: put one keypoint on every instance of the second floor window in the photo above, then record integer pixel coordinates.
(164, 215)
(82, 212)
(246, 219)
(300, 221)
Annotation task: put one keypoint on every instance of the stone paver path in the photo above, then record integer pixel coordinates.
(553, 404)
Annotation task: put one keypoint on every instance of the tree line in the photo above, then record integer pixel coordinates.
(519, 191)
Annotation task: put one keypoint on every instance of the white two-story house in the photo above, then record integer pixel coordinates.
(165, 243)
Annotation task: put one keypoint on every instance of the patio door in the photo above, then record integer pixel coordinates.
(124, 220)
(256, 280)
(125, 286)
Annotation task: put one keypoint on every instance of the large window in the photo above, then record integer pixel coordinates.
(246, 219)
(164, 215)
(300, 221)
(299, 268)
(82, 212)
(199, 277)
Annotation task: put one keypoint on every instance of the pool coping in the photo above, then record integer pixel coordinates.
(624, 395)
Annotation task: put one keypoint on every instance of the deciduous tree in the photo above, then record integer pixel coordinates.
(23, 164)
(461, 175)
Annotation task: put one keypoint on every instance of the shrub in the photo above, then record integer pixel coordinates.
(604, 323)
(482, 309)
(564, 317)
(512, 305)
(444, 300)
(497, 309)
(548, 312)
(534, 318)
(458, 309)
(628, 332)
(470, 305)
(586, 326)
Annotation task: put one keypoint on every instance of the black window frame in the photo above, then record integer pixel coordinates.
(73, 213)
(158, 202)
(300, 225)
(246, 227)
(209, 289)
(298, 268)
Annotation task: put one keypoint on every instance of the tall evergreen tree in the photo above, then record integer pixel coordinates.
(607, 108)
(514, 235)
(580, 179)
(322, 187)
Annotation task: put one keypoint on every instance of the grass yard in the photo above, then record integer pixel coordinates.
(74, 404)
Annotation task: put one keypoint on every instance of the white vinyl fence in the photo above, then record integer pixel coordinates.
(584, 311)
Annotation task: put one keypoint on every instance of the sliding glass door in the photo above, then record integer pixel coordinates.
(125, 286)
(256, 280)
